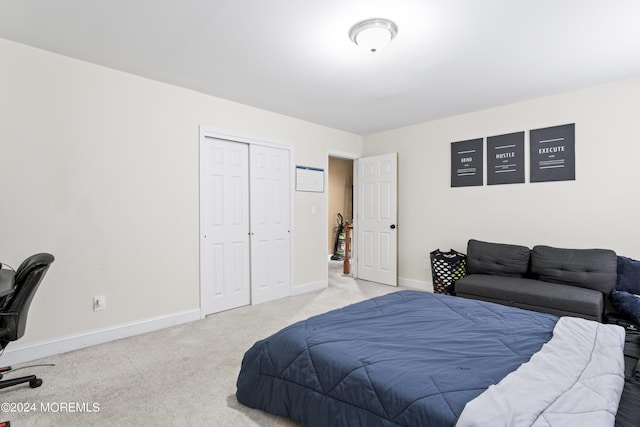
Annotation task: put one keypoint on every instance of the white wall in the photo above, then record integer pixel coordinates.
(100, 168)
(599, 209)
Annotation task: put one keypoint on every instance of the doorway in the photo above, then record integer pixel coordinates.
(370, 190)
(340, 203)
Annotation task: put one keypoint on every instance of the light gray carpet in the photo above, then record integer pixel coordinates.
(183, 375)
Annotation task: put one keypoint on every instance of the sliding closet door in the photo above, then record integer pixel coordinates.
(245, 217)
(270, 223)
(224, 224)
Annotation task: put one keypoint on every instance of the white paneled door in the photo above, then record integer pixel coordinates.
(224, 223)
(245, 210)
(270, 224)
(376, 219)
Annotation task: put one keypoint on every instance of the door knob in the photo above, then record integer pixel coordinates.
(393, 226)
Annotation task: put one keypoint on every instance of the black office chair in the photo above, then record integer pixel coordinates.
(14, 310)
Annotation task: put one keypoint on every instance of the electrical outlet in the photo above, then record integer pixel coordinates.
(99, 303)
(427, 264)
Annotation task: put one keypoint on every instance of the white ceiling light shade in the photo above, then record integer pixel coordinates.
(373, 34)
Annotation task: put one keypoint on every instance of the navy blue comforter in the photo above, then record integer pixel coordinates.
(409, 358)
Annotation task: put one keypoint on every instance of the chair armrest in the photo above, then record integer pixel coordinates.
(8, 313)
(4, 330)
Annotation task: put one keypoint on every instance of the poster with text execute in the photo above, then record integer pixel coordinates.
(505, 159)
(466, 163)
(553, 154)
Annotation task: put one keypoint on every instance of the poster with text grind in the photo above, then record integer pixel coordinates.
(466, 163)
(553, 153)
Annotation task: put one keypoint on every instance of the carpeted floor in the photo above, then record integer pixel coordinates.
(183, 375)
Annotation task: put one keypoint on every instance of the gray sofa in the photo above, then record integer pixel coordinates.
(565, 282)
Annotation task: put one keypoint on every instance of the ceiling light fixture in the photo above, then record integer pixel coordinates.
(373, 34)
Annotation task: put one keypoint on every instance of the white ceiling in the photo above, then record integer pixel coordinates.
(294, 56)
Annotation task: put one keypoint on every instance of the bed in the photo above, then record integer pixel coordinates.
(413, 358)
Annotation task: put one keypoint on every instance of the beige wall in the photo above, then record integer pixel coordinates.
(340, 194)
(599, 209)
(100, 168)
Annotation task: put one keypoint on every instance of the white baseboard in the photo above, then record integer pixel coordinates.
(16, 353)
(309, 287)
(415, 284)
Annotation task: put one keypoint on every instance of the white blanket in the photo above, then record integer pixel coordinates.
(576, 379)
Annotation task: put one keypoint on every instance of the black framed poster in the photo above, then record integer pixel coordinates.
(553, 153)
(466, 163)
(505, 159)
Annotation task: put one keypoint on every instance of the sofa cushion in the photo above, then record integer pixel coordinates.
(521, 292)
(497, 258)
(588, 268)
(628, 275)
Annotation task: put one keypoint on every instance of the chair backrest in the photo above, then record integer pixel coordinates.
(27, 280)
